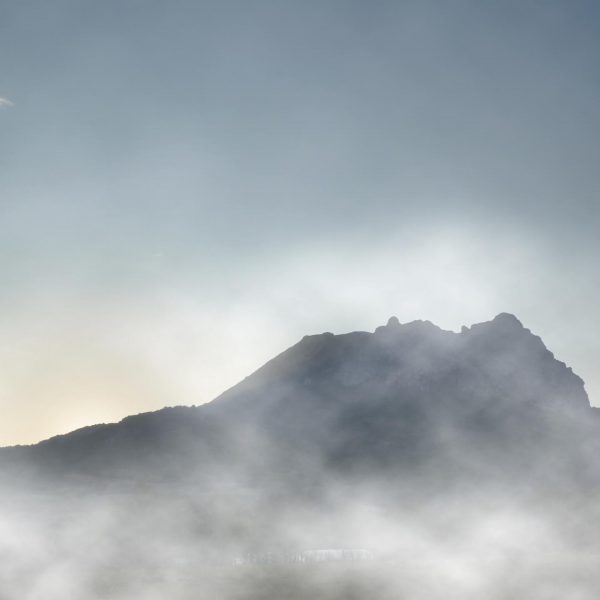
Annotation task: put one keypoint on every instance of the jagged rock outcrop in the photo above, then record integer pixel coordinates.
(404, 399)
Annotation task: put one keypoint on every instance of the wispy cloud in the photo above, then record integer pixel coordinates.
(5, 103)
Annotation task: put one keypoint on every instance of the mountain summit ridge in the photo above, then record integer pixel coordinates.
(341, 441)
(396, 343)
(386, 399)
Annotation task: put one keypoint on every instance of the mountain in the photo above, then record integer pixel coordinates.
(407, 397)
(457, 465)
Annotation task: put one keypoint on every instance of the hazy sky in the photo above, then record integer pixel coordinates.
(189, 187)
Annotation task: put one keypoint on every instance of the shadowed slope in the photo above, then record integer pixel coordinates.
(407, 398)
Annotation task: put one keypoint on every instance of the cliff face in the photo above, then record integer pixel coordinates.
(403, 399)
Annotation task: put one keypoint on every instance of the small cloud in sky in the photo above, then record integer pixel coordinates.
(5, 103)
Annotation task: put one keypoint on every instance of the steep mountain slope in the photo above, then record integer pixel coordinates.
(409, 398)
(465, 462)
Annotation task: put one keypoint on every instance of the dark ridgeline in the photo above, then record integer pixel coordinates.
(411, 445)
(407, 403)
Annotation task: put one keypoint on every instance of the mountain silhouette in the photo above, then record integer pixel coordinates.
(458, 465)
(489, 402)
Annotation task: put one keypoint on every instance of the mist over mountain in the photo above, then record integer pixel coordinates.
(351, 442)
(396, 398)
